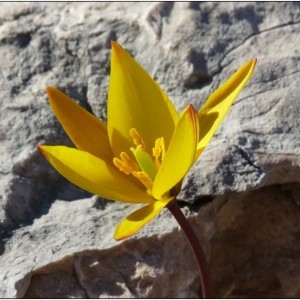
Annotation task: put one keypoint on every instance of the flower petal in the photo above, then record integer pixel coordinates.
(180, 154)
(138, 219)
(87, 132)
(136, 101)
(217, 105)
(93, 174)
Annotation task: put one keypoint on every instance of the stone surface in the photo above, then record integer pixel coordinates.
(56, 240)
(255, 248)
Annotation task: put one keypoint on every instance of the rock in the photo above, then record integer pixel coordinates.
(242, 195)
(254, 251)
(98, 266)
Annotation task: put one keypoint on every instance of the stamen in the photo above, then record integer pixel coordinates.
(158, 150)
(137, 139)
(144, 168)
(144, 179)
(125, 164)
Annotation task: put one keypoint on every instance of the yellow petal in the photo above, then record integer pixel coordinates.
(217, 105)
(136, 101)
(86, 131)
(93, 174)
(180, 154)
(138, 219)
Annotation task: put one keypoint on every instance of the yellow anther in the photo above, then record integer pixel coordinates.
(125, 164)
(137, 139)
(158, 151)
(159, 148)
(144, 179)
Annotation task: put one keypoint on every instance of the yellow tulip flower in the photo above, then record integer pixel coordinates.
(146, 148)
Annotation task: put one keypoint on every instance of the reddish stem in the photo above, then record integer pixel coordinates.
(195, 245)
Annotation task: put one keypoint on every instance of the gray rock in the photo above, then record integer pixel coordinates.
(56, 240)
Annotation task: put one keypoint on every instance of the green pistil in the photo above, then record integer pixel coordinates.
(145, 161)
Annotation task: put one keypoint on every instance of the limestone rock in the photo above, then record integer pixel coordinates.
(51, 230)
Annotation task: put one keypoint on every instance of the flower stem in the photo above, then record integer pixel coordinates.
(195, 245)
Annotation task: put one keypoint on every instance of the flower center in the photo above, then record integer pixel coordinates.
(145, 166)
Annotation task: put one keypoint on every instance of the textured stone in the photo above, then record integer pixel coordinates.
(255, 249)
(51, 230)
